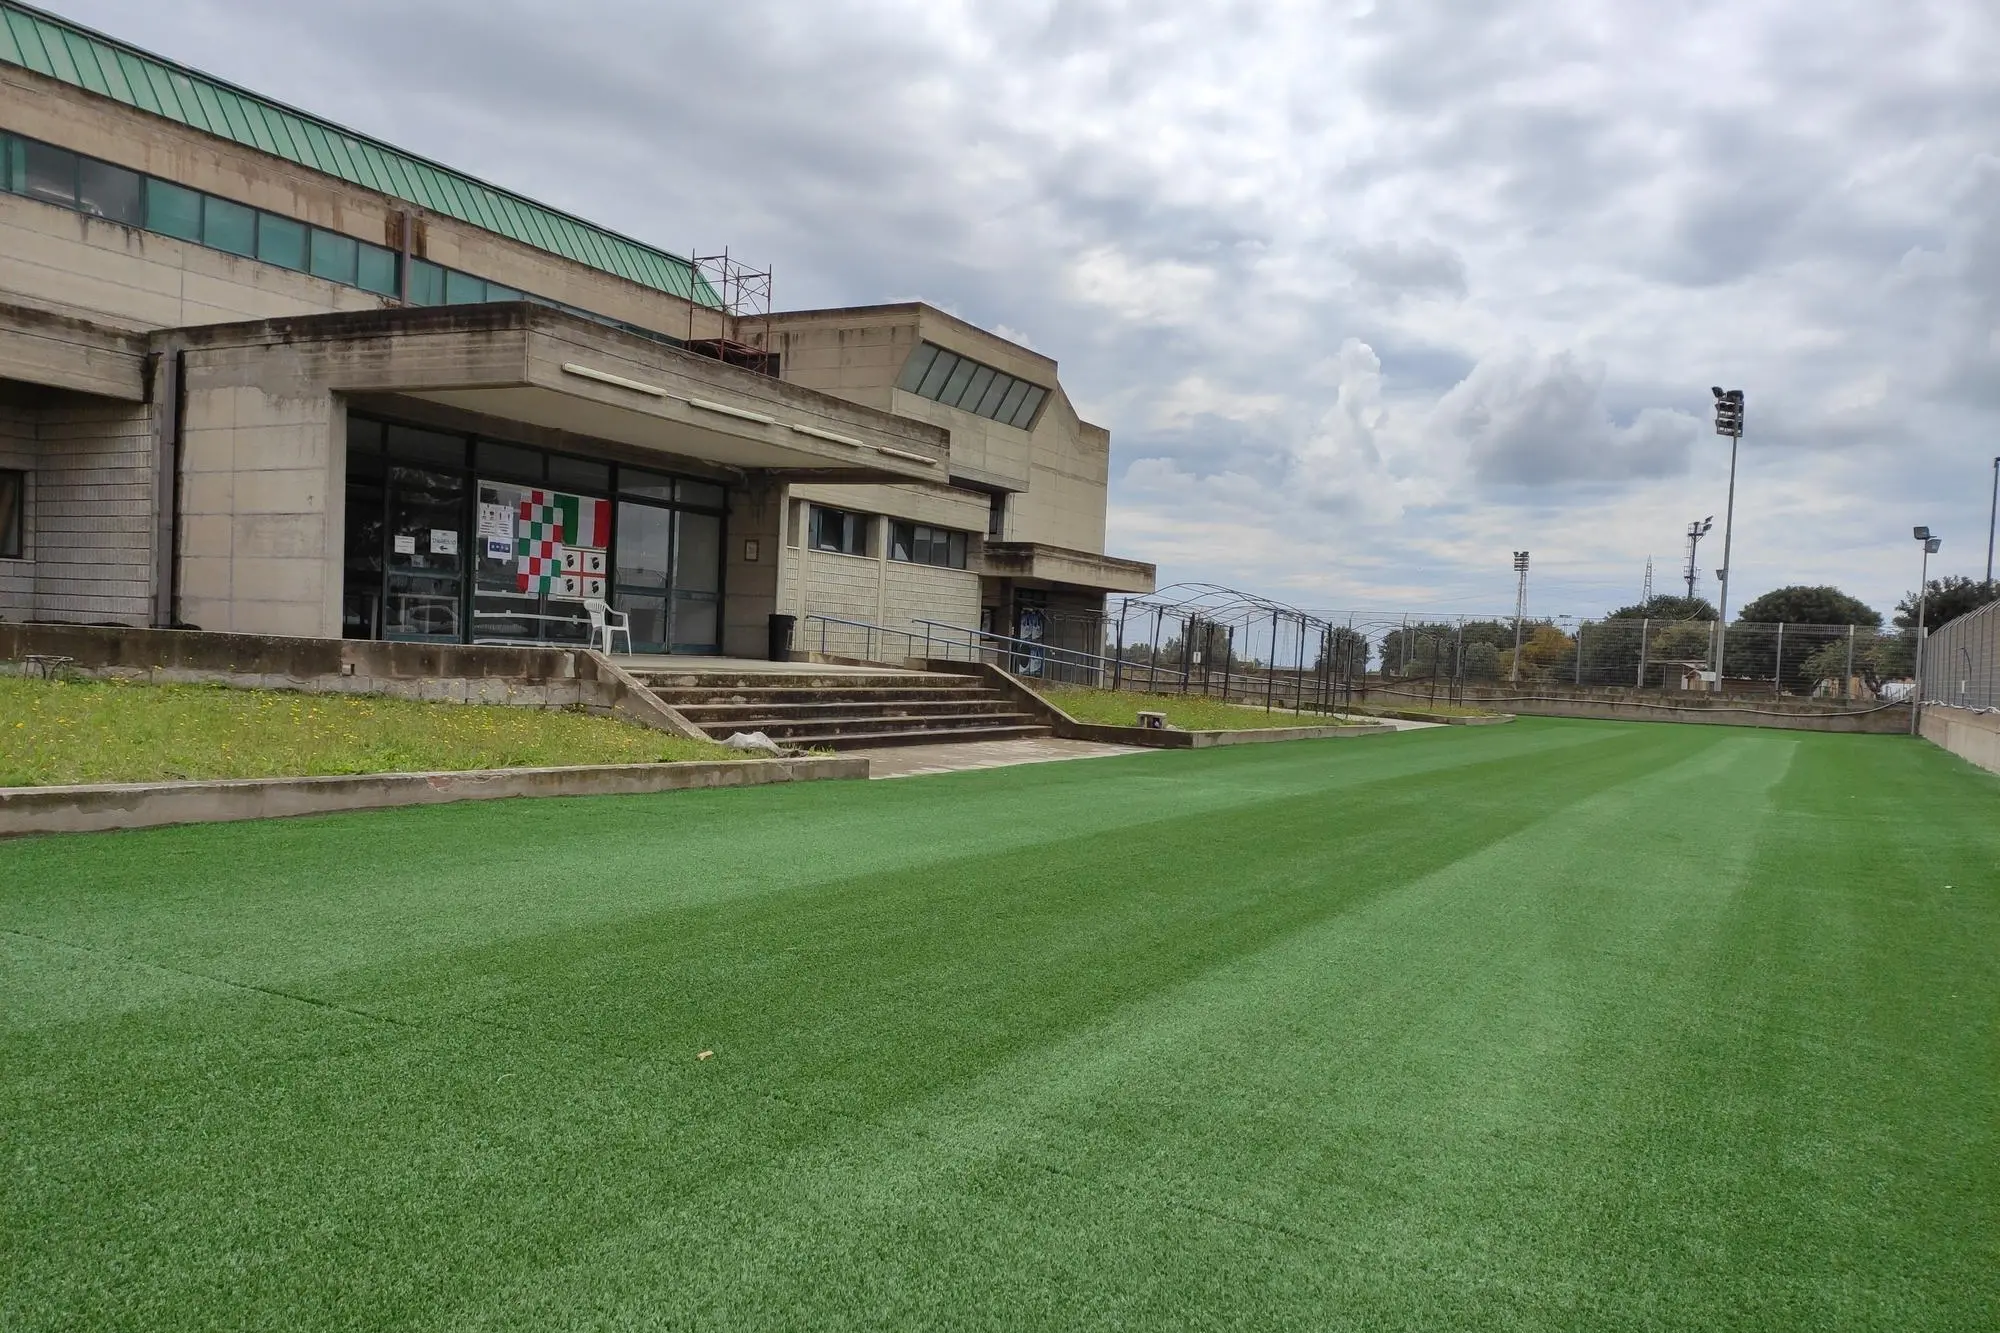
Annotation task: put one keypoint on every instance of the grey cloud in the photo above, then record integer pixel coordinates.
(1532, 421)
(1394, 268)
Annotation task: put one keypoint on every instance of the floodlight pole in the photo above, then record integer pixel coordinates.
(1992, 521)
(1930, 544)
(1728, 421)
(1520, 609)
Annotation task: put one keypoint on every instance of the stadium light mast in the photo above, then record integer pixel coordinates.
(1992, 522)
(1520, 609)
(1931, 545)
(1696, 531)
(1728, 421)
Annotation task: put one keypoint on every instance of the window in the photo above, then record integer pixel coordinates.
(228, 226)
(426, 283)
(49, 174)
(114, 193)
(13, 514)
(377, 270)
(463, 288)
(960, 382)
(334, 257)
(838, 530)
(173, 211)
(996, 516)
(10, 160)
(281, 241)
(919, 545)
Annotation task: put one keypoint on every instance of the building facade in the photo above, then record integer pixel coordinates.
(261, 374)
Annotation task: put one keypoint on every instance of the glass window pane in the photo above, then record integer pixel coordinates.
(10, 164)
(110, 192)
(902, 541)
(939, 372)
(12, 486)
(378, 270)
(957, 560)
(364, 436)
(915, 368)
(1012, 402)
(996, 393)
(1025, 413)
(173, 211)
(426, 283)
(697, 552)
(281, 241)
(632, 481)
(463, 288)
(50, 174)
(694, 629)
(975, 388)
(507, 460)
(335, 257)
(407, 444)
(705, 494)
(495, 292)
(579, 475)
(961, 375)
(228, 226)
(644, 547)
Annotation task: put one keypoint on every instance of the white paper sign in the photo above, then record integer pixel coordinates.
(406, 543)
(444, 541)
(496, 521)
(499, 548)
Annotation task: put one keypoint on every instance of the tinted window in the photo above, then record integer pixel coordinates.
(378, 270)
(173, 211)
(10, 162)
(939, 372)
(281, 241)
(507, 460)
(13, 486)
(228, 226)
(50, 174)
(631, 481)
(426, 283)
(495, 292)
(1012, 401)
(110, 192)
(995, 394)
(702, 493)
(917, 366)
(334, 257)
(463, 288)
(363, 436)
(407, 444)
(1025, 414)
(580, 475)
(975, 388)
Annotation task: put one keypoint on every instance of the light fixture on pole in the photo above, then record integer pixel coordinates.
(1696, 531)
(1728, 421)
(1520, 609)
(1931, 545)
(1992, 521)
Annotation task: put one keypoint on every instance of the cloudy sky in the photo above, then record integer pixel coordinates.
(1369, 294)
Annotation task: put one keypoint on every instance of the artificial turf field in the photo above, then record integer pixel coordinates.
(1549, 1025)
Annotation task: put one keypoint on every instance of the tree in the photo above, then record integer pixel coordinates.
(1349, 654)
(1666, 606)
(1950, 597)
(1544, 654)
(1802, 605)
(1482, 662)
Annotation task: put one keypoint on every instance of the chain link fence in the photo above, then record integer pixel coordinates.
(1962, 661)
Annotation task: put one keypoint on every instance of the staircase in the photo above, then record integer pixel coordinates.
(843, 710)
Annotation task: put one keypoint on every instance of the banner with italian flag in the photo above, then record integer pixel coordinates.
(586, 522)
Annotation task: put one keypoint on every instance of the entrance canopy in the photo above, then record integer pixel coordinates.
(526, 363)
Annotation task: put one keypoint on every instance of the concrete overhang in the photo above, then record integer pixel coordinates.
(1063, 567)
(58, 352)
(541, 367)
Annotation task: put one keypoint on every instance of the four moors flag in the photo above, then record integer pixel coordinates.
(549, 524)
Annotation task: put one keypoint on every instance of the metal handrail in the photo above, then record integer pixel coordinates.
(1029, 645)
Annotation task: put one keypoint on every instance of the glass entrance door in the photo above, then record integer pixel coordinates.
(669, 578)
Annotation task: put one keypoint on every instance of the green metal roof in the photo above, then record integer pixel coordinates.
(59, 49)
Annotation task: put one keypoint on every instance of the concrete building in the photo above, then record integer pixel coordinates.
(260, 373)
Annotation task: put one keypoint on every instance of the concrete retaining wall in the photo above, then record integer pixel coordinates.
(442, 673)
(1069, 728)
(1629, 705)
(1969, 735)
(90, 809)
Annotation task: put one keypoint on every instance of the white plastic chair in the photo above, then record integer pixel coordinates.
(604, 622)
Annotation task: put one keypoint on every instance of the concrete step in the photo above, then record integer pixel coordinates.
(833, 709)
(804, 680)
(691, 697)
(804, 730)
(918, 736)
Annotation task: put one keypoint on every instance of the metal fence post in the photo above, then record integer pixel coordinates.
(1645, 624)
(1271, 670)
(1118, 659)
(1579, 655)
(1778, 665)
(1847, 681)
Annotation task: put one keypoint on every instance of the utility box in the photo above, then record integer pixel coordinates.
(1153, 721)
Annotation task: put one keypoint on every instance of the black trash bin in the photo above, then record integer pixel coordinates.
(781, 637)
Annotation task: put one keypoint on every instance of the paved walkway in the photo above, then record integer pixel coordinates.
(910, 761)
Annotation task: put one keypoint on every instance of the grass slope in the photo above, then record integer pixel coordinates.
(1554, 1025)
(67, 731)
